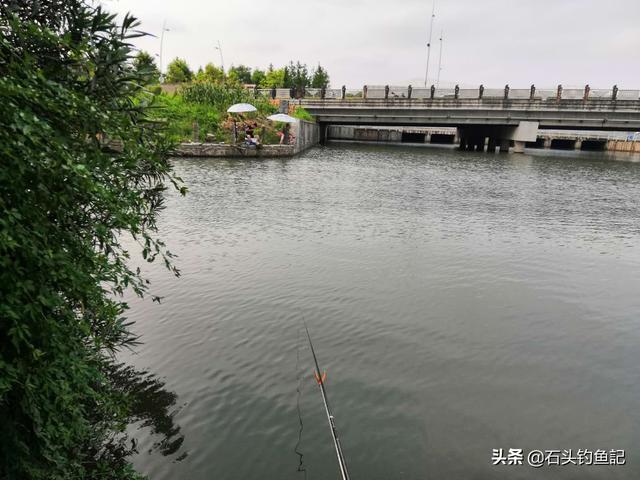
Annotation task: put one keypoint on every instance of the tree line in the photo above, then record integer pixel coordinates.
(293, 75)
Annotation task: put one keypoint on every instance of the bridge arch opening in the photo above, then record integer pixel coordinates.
(594, 145)
(539, 143)
(563, 144)
(443, 139)
(413, 137)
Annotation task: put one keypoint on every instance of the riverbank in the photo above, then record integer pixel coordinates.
(306, 135)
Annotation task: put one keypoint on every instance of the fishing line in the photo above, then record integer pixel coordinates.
(299, 390)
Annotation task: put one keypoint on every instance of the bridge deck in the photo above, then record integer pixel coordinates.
(622, 115)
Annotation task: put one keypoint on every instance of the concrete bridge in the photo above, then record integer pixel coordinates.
(483, 116)
(592, 140)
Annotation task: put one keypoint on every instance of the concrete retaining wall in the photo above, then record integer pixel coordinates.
(384, 134)
(623, 146)
(306, 134)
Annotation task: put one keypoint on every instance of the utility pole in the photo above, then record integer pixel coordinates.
(219, 48)
(164, 29)
(440, 59)
(433, 15)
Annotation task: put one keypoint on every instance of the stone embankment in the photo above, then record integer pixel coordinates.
(306, 135)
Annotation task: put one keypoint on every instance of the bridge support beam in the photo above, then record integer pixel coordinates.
(323, 129)
(476, 137)
(518, 146)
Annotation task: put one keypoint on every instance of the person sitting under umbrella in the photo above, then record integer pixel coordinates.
(250, 138)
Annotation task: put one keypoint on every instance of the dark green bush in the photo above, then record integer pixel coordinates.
(221, 97)
(67, 197)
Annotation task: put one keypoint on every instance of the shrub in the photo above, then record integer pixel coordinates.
(67, 197)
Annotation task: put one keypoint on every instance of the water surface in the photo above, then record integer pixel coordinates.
(460, 302)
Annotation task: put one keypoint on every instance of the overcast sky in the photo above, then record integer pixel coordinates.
(493, 42)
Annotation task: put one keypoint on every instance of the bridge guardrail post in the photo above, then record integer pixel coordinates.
(433, 91)
(323, 93)
(273, 93)
(344, 92)
(614, 93)
(456, 92)
(386, 92)
(587, 89)
(409, 90)
(532, 93)
(364, 92)
(255, 91)
(480, 91)
(559, 93)
(506, 91)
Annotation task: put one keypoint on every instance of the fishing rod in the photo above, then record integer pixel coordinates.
(320, 378)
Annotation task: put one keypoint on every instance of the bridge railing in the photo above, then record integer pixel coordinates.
(421, 92)
(312, 93)
(352, 93)
(628, 94)
(468, 93)
(602, 93)
(444, 93)
(545, 93)
(493, 93)
(572, 94)
(519, 93)
(391, 92)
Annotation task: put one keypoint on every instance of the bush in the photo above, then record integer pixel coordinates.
(221, 97)
(67, 197)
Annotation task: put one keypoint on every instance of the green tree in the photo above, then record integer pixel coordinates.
(274, 78)
(320, 78)
(178, 72)
(145, 65)
(82, 168)
(210, 73)
(258, 76)
(241, 73)
(297, 76)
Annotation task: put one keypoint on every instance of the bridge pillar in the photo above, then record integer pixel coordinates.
(323, 130)
(491, 146)
(578, 145)
(504, 145)
(518, 146)
(547, 142)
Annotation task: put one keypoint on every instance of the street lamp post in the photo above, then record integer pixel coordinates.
(164, 29)
(440, 59)
(219, 48)
(433, 15)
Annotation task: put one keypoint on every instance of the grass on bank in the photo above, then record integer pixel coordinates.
(206, 104)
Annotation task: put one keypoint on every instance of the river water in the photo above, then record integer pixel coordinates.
(460, 302)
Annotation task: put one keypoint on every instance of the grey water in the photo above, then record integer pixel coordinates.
(460, 302)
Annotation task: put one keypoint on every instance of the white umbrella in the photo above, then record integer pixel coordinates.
(241, 108)
(282, 117)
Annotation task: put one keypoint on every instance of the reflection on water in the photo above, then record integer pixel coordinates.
(459, 301)
(152, 410)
